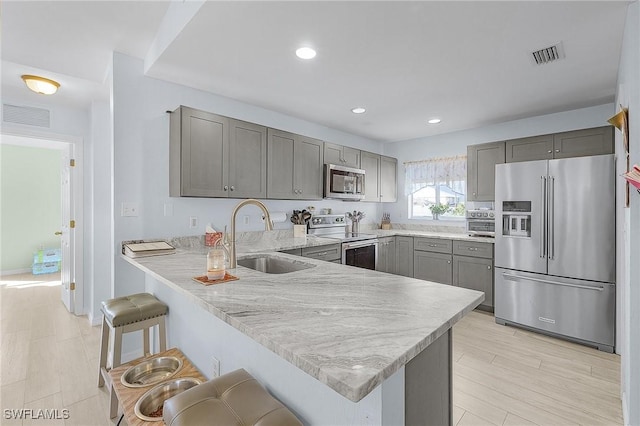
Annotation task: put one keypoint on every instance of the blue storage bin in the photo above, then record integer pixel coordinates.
(47, 256)
(45, 268)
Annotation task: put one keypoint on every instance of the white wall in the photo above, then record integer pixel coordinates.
(628, 229)
(99, 188)
(455, 143)
(141, 162)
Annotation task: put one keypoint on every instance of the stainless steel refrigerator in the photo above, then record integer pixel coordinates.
(555, 248)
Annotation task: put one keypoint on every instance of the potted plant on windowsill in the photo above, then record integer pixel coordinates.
(438, 209)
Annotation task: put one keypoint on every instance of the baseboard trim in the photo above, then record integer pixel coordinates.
(94, 320)
(625, 411)
(15, 271)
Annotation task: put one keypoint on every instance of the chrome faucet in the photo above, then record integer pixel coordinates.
(268, 226)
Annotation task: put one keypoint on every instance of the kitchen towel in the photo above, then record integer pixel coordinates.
(278, 217)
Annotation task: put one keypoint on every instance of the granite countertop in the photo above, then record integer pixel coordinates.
(350, 328)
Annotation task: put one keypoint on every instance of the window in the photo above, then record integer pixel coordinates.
(436, 188)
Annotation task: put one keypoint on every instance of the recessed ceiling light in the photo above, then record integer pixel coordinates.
(434, 121)
(305, 53)
(41, 85)
(358, 110)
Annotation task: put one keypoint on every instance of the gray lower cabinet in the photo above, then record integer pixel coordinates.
(430, 266)
(473, 268)
(404, 256)
(387, 255)
(329, 253)
(341, 155)
(216, 156)
(294, 166)
(296, 251)
(481, 170)
(474, 273)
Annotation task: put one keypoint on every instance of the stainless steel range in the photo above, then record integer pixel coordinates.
(358, 249)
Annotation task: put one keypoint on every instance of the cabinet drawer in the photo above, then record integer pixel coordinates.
(474, 249)
(437, 245)
(329, 253)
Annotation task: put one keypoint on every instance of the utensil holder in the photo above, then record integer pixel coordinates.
(355, 226)
(299, 231)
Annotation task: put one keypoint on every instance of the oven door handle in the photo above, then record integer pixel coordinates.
(359, 244)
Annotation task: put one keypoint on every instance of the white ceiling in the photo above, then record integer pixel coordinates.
(465, 62)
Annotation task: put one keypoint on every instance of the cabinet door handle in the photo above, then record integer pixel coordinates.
(232, 188)
(448, 261)
(226, 187)
(474, 193)
(549, 152)
(324, 253)
(473, 248)
(488, 267)
(557, 150)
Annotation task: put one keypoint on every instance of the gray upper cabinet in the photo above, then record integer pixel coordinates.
(198, 154)
(381, 177)
(580, 143)
(576, 143)
(370, 163)
(294, 166)
(404, 256)
(530, 149)
(216, 156)
(247, 160)
(341, 155)
(481, 170)
(388, 179)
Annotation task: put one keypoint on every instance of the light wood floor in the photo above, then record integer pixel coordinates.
(502, 375)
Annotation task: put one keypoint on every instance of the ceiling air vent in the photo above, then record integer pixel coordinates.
(548, 54)
(26, 115)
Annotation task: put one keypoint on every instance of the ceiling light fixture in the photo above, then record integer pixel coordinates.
(305, 53)
(41, 85)
(434, 121)
(358, 110)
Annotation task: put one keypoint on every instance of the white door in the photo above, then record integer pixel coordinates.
(67, 243)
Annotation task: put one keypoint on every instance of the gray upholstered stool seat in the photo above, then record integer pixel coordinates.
(140, 311)
(232, 399)
(134, 308)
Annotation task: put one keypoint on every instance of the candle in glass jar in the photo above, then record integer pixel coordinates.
(215, 264)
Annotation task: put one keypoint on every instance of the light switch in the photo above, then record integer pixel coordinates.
(129, 209)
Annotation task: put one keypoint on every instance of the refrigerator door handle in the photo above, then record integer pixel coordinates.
(543, 218)
(512, 277)
(552, 219)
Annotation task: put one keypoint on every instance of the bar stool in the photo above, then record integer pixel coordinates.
(233, 399)
(126, 314)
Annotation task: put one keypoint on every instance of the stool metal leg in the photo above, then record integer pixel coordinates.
(104, 348)
(145, 343)
(162, 331)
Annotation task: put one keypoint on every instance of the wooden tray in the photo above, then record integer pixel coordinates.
(206, 281)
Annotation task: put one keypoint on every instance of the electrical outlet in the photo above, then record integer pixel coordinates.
(215, 367)
(246, 219)
(129, 209)
(193, 222)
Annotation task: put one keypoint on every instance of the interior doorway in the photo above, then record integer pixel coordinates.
(69, 230)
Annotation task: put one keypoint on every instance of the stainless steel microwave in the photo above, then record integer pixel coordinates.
(343, 183)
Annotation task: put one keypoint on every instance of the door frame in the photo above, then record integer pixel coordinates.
(50, 140)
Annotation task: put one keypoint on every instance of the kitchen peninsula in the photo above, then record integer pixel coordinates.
(336, 344)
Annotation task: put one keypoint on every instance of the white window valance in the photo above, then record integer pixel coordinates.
(434, 170)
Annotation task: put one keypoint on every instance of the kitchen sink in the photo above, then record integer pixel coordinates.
(273, 265)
